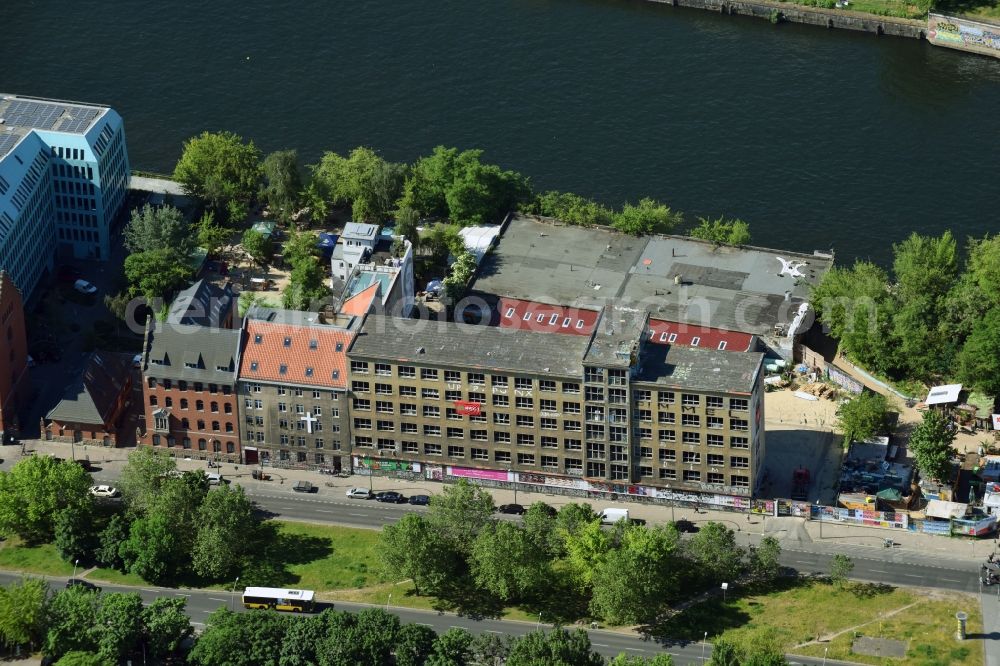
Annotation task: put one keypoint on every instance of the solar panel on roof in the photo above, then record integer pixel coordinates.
(7, 142)
(27, 113)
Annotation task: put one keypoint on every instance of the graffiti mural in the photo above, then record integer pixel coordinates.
(958, 33)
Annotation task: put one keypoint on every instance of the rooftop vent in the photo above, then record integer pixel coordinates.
(421, 350)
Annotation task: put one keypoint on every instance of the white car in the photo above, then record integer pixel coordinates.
(214, 479)
(359, 493)
(84, 287)
(104, 491)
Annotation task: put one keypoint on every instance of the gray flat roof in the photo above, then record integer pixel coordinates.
(699, 369)
(211, 353)
(22, 114)
(360, 230)
(448, 344)
(676, 278)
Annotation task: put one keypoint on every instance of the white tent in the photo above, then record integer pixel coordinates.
(478, 240)
(946, 510)
(941, 395)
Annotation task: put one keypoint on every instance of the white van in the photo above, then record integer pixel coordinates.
(611, 516)
(214, 479)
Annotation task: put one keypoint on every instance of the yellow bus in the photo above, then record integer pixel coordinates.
(297, 601)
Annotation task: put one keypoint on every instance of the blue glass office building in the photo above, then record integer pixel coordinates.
(64, 173)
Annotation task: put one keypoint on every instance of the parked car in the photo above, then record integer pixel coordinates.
(389, 496)
(84, 287)
(214, 479)
(304, 487)
(104, 491)
(636, 521)
(85, 584)
(420, 500)
(684, 525)
(515, 509)
(359, 493)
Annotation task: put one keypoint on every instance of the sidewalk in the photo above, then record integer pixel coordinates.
(794, 533)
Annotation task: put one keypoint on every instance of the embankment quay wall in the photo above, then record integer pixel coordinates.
(819, 16)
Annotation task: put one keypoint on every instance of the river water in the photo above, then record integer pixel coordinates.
(820, 139)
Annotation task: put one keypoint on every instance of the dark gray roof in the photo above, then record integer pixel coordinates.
(92, 396)
(447, 344)
(202, 303)
(699, 369)
(676, 278)
(192, 353)
(617, 337)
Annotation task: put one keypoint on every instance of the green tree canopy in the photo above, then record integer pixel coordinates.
(34, 491)
(166, 626)
(257, 245)
(154, 550)
(865, 416)
(156, 274)
(930, 443)
(442, 240)
(414, 644)
(240, 639)
(647, 217)
(722, 231)
(979, 359)
(841, 567)
(142, 477)
(160, 228)
(506, 563)
(23, 612)
(764, 560)
(219, 168)
(71, 617)
(75, 538)
(365, 181)
(211, 235)
(662, 659)
(460, 512)
(558, 647)
(586, 550)
(461, 274)
(715, 551)
(407, 221)
(451, 648)
(225, 519)
(282, 183)
(573, 209)
(412, 547)
(119, 625)
(78, 658)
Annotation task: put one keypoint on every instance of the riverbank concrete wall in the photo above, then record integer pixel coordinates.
(819, 16)
(955, 32)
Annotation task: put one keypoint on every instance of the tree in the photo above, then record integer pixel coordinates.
(715, 551)
(412, 548)
(23, 612)
(540, 528)
(75, 537)
(363, 639)
(647, 217)
(142, 477)
(426, 187)
(460, 513)
(306, 286)
(166, 626)
(257, 245)
(634, 581)
(72, 613)
(407, 221)
(161, 228)
(979, 359)
(240, 639)
(451, 648)
(841, 567)
(117, 304)
(764, 560)
(855, 305)
(302, 640)
(211, 236)
(461, 275)
(586, 550)
(364, 180)
(662, 659)
(78, 658)
(722, 231)
(930, 443)
(506, 563)
(865, 416)
(225, 518)
(34, 491)
(414, 644)
(282, 182)
(119, 625)
(573, 209)
(573, 517)
(442, 240)
(489, 649)
(557, 647)
(219, 168)
(154, 549)
(483, 193)
(156, 274)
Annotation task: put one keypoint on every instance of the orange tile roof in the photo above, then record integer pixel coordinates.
(289, 354)
(359, 303)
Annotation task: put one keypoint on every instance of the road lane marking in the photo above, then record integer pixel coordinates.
(146, 589)
(878, 571)
(323, 511)
(635, 649)
(359, 515)
(912, 576)
(181, 594)
(424, 624)
(491, 631)
(951, 580)
(217, 599)
(600, 645)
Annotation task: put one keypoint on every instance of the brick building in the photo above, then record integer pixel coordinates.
(292, 388)
(189, 379)
(92, 407)
(14, 386)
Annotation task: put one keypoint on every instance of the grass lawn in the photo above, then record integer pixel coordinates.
(915, 9)
(43, 559)
(334, 558)
(805, 611)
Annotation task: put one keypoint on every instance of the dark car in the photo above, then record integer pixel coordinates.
(420, 500)
(303, 487)
(515, 509)
(684, 525)
(390, 496)
(85, 584)
(636, 521)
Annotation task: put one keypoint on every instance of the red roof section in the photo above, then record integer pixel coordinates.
(359, 304)
(544, 318)
(289, 354)
(671, 333)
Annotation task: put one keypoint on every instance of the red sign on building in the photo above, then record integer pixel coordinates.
(468, 408)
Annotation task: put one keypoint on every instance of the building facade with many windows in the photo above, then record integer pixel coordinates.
(610, 407)
(64, 173)
(189, 379)
(292, 381)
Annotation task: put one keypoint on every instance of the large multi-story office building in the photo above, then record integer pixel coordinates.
(612, 408)
(64, 173)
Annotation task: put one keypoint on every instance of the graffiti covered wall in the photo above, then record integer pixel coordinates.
(963, 34)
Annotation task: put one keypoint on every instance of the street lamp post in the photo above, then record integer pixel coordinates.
(704, 642)
(387, 602)
(75, 562)
(232, 595)
(825, 650)
(539, 623)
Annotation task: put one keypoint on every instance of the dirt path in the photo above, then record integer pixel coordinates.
(830, 637)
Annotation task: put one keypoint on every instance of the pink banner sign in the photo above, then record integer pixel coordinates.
(469, 473)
